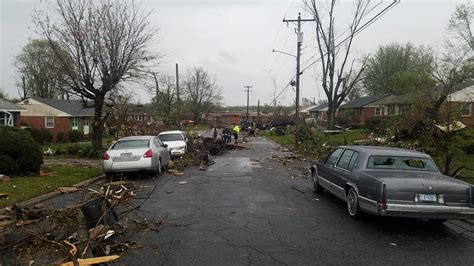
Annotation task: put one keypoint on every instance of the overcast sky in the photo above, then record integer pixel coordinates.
(233, 40)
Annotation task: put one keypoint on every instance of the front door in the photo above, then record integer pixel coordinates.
(87, 123)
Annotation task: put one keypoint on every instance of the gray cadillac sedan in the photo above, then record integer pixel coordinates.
(392, 182)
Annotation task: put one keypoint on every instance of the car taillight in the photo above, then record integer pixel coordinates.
(148, 154)
(105, 156)
(383, 199)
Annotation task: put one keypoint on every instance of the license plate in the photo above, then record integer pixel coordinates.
(125, 156)
(427, 197)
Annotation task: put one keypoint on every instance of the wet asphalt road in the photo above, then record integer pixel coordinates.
(246, 209)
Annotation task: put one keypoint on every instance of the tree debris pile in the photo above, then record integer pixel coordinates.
(99, 228)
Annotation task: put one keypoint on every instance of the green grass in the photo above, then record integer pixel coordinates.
(27, 187)
(308, 150)
(288, 141)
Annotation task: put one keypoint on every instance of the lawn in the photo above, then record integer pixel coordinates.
(27, 187)
(288, 141)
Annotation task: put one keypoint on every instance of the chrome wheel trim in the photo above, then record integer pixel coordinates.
(352, 202)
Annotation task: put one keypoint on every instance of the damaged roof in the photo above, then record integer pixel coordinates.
(363, 101)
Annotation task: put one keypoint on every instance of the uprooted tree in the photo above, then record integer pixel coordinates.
(106, 42)
(339, 73)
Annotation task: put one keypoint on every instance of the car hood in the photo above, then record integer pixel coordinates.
(421, 182)
(175, 144)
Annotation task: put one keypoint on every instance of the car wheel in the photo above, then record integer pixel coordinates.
(158, 168)
(317, 188)
(353, 203)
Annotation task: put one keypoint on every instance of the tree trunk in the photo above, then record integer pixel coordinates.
(98, 123)
(331, 116)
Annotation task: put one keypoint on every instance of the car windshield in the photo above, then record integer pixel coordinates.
(131, 144)
(401, 163)
(171, 137)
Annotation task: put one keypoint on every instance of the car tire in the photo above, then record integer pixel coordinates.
(352, 203)
(317, 188)
(158, 168)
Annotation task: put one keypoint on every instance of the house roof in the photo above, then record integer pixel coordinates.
(463, 95)
(72, 107)
(319, 108)
(9, 106)
(140, 109)
(362, 101)
(307, 109)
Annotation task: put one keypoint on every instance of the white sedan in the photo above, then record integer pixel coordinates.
(137, 153)
(176, 140)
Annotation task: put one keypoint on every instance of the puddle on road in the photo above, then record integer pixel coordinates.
(234, 165)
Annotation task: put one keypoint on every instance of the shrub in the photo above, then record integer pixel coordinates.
(469, 148)
(73, 149)
(75, 136)
(19, 153)
(382, 124)
(89, 152)
(40, 135)
(60, 137)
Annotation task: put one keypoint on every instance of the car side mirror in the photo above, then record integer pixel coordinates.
(186, 139)
(165, 145)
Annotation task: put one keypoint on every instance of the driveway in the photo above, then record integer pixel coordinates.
(254, 207)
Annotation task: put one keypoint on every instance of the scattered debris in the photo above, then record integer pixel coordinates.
(172, 171)
(91, 261)
(178, 174)
(297, 189)
(4, 195)
(66, 189)
(169, 192)
(392, 244)
(5, 178)
(314, 199)
(182, 182)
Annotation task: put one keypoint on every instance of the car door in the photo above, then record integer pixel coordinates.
(163, 151)
(342, 171)
(326, 170)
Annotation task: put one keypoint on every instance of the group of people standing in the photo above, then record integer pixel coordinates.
(227, 133)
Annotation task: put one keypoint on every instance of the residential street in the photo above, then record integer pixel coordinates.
(247, 209)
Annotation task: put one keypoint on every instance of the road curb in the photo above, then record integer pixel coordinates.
(55, 193)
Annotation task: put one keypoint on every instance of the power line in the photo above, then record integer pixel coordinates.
(363, 27)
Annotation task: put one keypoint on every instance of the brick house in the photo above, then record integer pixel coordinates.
(361, 109)
(142, 114)
(319, 112)
(10, 113)
(56, 115)
(463, 101)
(223, 118)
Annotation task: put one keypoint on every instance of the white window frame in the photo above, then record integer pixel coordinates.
(380, 109)
(87, 122)
(138, 117)
(46, 122)
(7, 118)
(470, 109)
(75, 122)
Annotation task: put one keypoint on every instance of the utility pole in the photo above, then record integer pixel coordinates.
(247, 90)
(299, 41)
(258, 111)
(177, 95)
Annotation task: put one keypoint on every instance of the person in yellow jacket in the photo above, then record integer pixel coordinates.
(236, 130)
